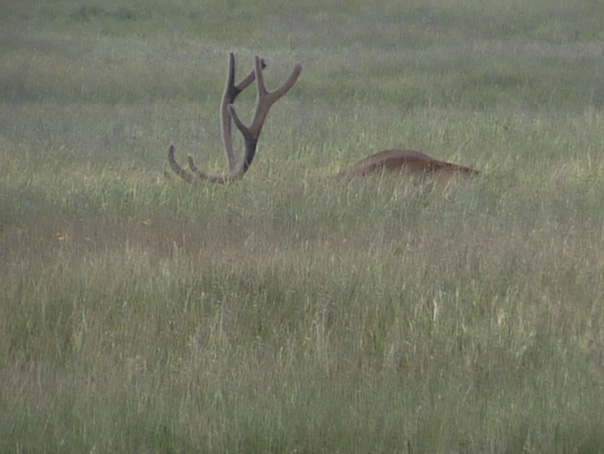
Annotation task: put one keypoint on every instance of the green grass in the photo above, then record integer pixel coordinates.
(285, 312)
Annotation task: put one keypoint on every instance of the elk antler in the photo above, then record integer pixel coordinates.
(227, 112)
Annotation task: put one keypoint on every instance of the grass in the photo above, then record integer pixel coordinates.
(287, 313)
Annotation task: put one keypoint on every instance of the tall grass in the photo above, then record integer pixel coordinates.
(286, 312)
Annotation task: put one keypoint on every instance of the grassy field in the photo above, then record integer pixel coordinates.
(287, 313)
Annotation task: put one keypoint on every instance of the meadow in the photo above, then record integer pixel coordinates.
(287, 313)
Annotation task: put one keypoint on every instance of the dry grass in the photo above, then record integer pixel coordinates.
(288, 312)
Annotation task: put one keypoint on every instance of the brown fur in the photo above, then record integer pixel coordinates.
(405, 162)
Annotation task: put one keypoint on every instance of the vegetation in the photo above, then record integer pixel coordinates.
(287, 313)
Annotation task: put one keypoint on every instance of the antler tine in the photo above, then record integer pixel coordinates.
(250, 77)
(287, 85)
(231, 91)
(265, 100)
(201, 175)
(187, 176)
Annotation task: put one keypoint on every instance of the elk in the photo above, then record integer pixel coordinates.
(394, 161)
(406, 162)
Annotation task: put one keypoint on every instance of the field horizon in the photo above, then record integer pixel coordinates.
(285, 312)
